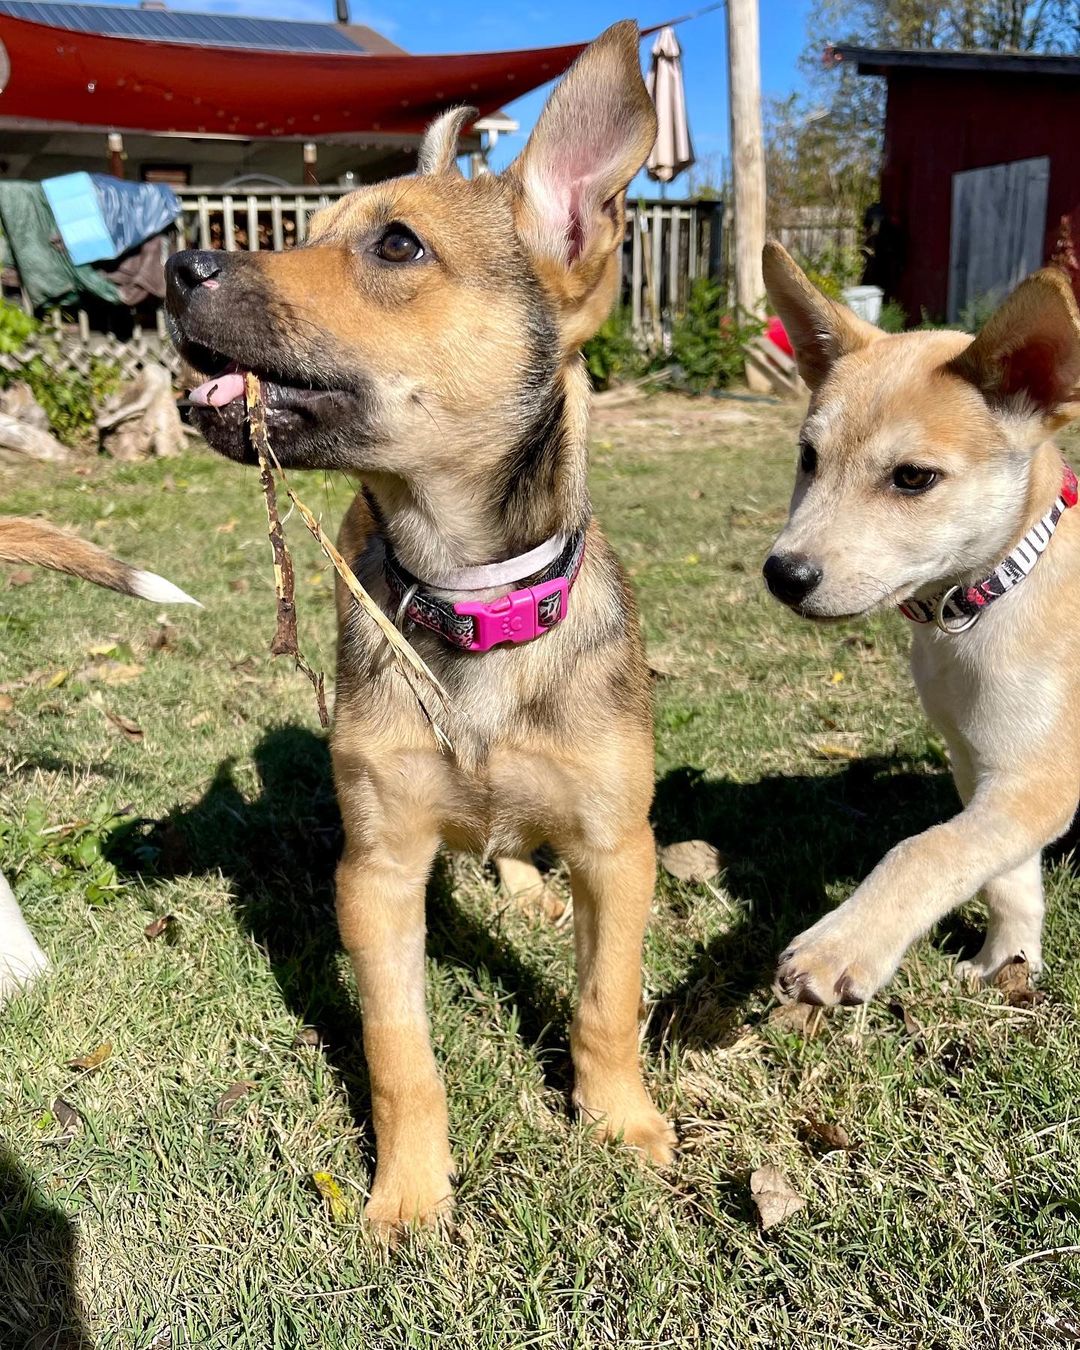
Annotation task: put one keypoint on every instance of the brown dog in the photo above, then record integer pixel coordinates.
(928, 480)
(428, 336)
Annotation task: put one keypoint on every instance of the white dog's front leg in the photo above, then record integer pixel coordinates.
(849, 954)
(21, 959)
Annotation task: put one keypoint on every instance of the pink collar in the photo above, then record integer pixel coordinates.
(519, 615)
(957, 608)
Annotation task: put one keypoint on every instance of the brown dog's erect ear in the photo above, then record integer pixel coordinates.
(438, 149)
(1029, 351)
(821, 331)
(592, 137)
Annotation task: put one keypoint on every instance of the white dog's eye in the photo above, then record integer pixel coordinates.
(807, 457)
(912, 479)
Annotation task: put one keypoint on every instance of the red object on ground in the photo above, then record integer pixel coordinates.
(777, 335)
(60, 77)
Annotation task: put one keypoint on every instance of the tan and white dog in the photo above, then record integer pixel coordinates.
(927, 478)
(24, 540)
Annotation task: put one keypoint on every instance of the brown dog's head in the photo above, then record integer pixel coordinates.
(915, 459)
(428, 322)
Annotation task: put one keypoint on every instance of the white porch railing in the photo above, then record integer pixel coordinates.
(668, 245)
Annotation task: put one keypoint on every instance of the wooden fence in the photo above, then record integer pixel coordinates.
(668, 245)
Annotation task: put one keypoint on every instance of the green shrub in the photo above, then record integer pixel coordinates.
(708, 341)
(893, 317)
(613, 355)
(70, 399)
(16, 328)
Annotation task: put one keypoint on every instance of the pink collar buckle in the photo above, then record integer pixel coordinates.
(518, 616)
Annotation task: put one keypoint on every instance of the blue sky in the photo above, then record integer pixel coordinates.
(431, 27)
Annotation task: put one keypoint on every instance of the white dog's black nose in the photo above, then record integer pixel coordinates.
(790, 576)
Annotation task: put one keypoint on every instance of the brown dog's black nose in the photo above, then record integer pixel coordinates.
(790, 577)
(186, 272)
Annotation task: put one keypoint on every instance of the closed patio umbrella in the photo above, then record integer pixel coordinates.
(673, 151)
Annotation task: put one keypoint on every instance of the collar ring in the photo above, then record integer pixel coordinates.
(939, 615)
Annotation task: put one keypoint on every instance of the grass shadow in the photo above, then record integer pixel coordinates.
(38, 1306)
(786, 840)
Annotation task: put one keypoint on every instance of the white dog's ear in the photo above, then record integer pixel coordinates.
(1028, 354)
(821, 331)
(439, 148)
(570, 181)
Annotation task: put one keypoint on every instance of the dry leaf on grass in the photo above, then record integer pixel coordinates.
(158, 927)
(66, 1116)
(130, 730)
(22, 576)
(334, 1196)
(901, 1013)
(200, 719)
(240, 585)
(773, 1196)
(824, 1132)
(94, 1060)
(691, 860)
(826, 750)
(307, 1038)
(111, 672)
(805, 1019)
(231, 1096)
(6, 703)
(1015, 982)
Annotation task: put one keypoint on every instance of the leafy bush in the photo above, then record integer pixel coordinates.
(70, 399)
(708, 342)
(893, 317)
(613, 355)
(16, 328)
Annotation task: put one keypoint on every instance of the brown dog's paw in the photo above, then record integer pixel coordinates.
(637, 1124)
(423, 1198)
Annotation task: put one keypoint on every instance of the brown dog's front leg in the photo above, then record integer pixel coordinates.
(849, 954)
(380, 903)
(613, 892)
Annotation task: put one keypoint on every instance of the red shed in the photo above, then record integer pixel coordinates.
(980, 166)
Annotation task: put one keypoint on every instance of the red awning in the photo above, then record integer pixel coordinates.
(61, 77)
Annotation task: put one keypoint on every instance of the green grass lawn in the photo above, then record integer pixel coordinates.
(164, 764)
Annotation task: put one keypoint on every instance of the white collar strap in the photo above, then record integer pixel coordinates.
(955, 609)
(493, 575)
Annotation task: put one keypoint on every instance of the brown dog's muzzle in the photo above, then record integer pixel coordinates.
(225, 318)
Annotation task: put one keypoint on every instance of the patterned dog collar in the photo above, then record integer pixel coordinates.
(956, 609)
(476, 626)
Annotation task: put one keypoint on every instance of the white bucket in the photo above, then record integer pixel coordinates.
(864, 300)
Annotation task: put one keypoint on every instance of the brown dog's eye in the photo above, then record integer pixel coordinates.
(911, 478)
(399, 245)
(807, 457)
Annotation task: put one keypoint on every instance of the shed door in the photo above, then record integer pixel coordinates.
(998, 230)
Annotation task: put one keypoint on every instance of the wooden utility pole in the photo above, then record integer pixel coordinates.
(747, 160)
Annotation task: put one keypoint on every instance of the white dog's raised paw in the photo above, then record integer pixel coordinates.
(21, 959)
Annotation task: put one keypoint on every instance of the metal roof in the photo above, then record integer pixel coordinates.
(882, 60)
(169, 25)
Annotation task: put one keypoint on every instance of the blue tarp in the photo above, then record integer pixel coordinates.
(101, 217)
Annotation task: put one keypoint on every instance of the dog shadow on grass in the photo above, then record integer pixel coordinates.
(279, 849)
(38, 1306)
(785, 840)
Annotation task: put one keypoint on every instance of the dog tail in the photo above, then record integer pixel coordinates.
(45, 545)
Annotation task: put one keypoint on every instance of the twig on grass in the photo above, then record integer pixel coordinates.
(410, 664)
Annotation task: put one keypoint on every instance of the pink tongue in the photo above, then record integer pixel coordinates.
(220, 390)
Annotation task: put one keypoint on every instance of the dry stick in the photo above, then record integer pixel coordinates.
(407, 658)
(285, 641)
